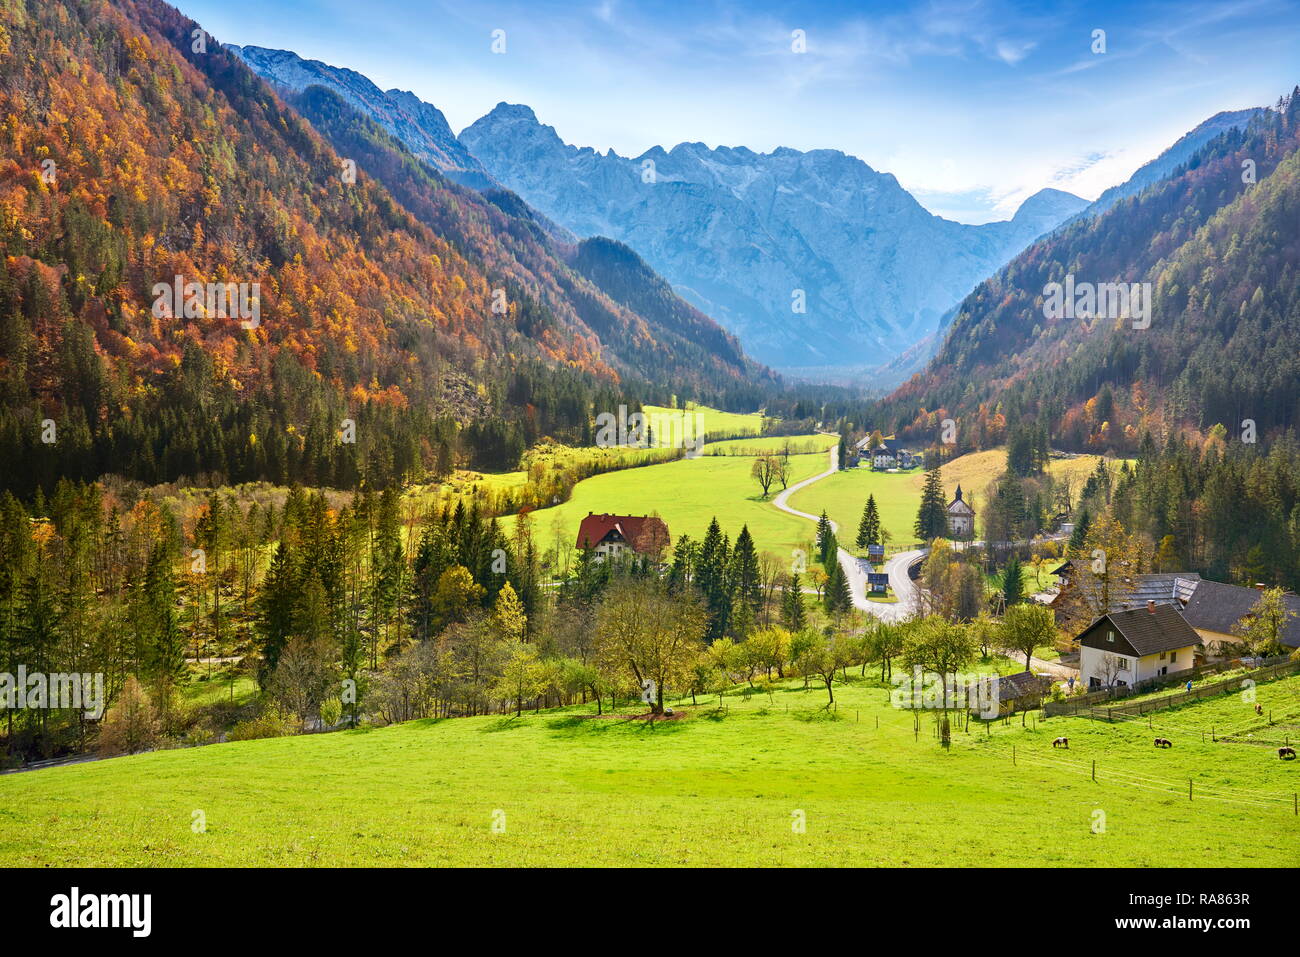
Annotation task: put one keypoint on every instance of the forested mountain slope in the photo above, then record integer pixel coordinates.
(1219, 244)
(135, 150)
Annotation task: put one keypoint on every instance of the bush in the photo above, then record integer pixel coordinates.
(331, 712)
(273, 722)
(131, 725)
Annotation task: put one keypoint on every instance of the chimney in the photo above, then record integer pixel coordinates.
(1260, 586)
(1151, 606)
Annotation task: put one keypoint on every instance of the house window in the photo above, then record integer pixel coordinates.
(1123, 665)
(1173, 656)
(1110, 636)
(1162, 656)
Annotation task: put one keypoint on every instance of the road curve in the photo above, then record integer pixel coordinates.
(855, 569)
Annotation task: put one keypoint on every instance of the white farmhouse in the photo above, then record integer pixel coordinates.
(1124, 648)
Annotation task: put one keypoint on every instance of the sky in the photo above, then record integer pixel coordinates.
(973, 105)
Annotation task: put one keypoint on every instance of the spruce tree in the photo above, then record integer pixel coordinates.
(932, 516)
(1080, 534)
(711, 577)
(747, 587)
(869, 527)
(823, 533)
(837, 598)
(1013, 589)
(793, 613)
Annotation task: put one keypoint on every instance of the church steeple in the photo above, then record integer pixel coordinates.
(958, 498)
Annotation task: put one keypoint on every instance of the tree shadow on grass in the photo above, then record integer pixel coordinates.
(573, 726)
(511, 722)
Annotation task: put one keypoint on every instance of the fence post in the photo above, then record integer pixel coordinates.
(1013, 754)
(1094, 769)
(1189, 789)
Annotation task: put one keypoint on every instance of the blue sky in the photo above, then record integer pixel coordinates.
(972, 104)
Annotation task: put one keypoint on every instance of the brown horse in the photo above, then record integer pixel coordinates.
(1061, 743)
(1286, 754)
(1163, 743)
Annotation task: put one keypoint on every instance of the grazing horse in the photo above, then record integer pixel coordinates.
(1061, 743)
(1286, 754)
(1259, 709)
(1163, 743)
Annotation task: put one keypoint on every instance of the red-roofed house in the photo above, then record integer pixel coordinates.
(614, 535)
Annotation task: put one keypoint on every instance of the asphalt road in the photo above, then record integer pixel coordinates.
(855, 569)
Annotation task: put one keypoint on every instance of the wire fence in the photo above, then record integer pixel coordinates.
(1102, 772)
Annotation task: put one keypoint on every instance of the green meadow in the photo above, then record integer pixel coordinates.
(898, 494)
(687, 494)
(717, 786)
(715, 421)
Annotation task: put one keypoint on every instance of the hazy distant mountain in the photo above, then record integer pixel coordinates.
(745, 235)
(419, 126)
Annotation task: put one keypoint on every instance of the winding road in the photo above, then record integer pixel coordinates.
(855, 569)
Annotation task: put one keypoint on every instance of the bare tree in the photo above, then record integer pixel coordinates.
(765, 471)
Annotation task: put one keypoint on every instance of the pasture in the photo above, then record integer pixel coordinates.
(898, 494)
(751, 783)
(687, 494)
(715, 421)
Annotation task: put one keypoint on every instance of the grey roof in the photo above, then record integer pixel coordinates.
(1163, 588)
(1215, 606)
(1022, 683)
(1148, 631)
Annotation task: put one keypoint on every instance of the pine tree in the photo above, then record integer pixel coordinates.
(869, 527)
(1080, 534)
(837, 598)
(823, 533)
(747, 587)
(277, 609)
(793, 614)
(932, 516)
(1013, 589)
(712, 578)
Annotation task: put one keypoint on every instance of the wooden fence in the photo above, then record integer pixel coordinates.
(1267, 673)
(1087, 702)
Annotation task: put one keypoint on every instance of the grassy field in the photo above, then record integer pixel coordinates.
(686, 493)
(714, 787)
(715, 421)
(773, 444)
(898, 494)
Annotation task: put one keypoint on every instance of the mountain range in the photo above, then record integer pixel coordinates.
(419, 126)
(754, 238)
(813, 259)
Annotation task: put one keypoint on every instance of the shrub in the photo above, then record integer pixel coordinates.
(273, 722)
(131, 725)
